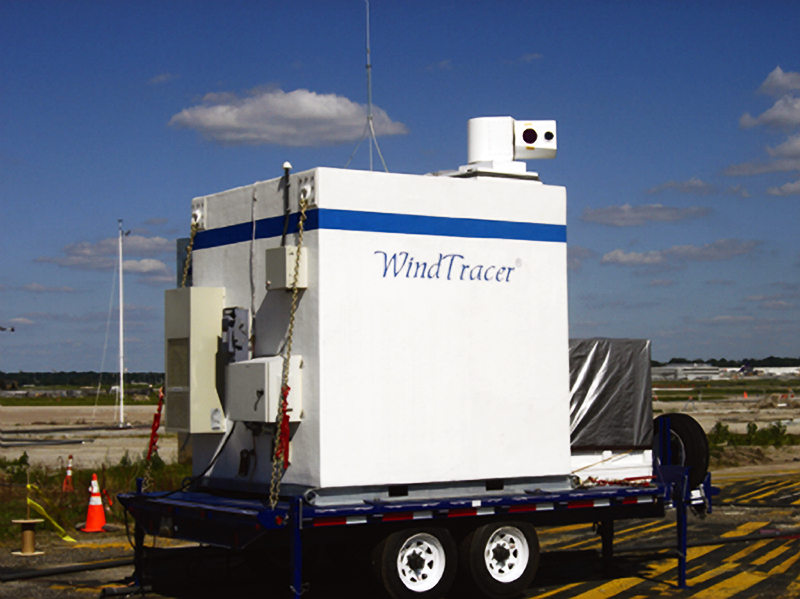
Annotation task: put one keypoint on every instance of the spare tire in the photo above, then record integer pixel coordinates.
(688, 446)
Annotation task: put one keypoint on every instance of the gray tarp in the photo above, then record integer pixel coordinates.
(610, 393)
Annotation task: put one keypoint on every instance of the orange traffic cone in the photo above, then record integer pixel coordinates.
(66, 486)
(745, 395)
(95, 517)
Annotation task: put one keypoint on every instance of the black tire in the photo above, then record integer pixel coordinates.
(501, 558)
(418, 563)
(688, 446)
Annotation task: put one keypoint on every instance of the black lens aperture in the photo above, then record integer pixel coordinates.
(530, 136)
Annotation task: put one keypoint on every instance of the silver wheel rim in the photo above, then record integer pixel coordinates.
(506, 554)
(421, 562)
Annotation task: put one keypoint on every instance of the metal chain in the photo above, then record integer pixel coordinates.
(188, 259)
(281, 452)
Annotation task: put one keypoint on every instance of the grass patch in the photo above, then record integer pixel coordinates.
(727, 448)
(70, 508)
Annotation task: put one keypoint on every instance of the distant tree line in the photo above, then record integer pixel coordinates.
(771, 361)
(79, 379)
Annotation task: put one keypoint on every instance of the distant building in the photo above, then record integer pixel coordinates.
(687, 372)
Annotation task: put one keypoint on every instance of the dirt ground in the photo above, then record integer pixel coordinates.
(736, 413)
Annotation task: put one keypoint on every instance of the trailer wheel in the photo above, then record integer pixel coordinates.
(416, 563)
(688, 446)
(501, 558)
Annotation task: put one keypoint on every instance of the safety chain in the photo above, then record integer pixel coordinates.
(188, 261)
(280, 457)
(147, 478)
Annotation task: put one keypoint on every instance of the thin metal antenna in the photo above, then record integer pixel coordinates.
(369, 130)
(369, 91)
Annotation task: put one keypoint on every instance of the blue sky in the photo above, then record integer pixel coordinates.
(679, 127)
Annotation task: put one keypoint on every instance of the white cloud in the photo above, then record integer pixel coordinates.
(784, 114)
(102, 255)
(737, 190)
(785, 190)
(788, 149)
(442, 65)
(634, 216)
(779, 82)
(21, 321)
(726, 319)
(661, 283)
(722, 249)
(784, 165)
(162, 78)
(530, 57)
(777, 305)
(576, 255)
(39, 288)
(775, 302)
(272, 116)
(146, 266)
(633, 258)
(693, 185)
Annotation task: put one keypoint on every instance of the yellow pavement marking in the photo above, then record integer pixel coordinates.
(745, 529)
(759, 490)
(773, 490)
(736, 477)
(781, 568)
(101, 545)
(624, 531)
(566, 587)
(746, 551)
(771, 555)
(709, 574)
(729, 586)
(596, 540)
(564, 528)
(655, 529)
(610, 588)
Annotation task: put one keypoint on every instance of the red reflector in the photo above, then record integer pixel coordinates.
(398, 516)
(462, 511)
(278, 520)
(629, 500)
(580, 503)
(329, 521)
(515, 509)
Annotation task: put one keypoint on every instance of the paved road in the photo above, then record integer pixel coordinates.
(723, 566)
(89, 447)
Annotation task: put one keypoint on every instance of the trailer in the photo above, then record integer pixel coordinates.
(381, 364)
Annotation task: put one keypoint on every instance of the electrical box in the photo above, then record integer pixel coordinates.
(281, 263)
(253, 389)
(192, 330)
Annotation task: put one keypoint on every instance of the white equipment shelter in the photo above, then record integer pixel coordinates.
(430, 346)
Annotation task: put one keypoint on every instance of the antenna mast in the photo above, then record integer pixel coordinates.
(121, 336)
(369, 93)
(369, 130)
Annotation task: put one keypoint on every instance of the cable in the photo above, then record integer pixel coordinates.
(105, 344)
(193, 479)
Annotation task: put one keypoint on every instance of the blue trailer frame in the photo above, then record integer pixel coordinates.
(236, 523)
